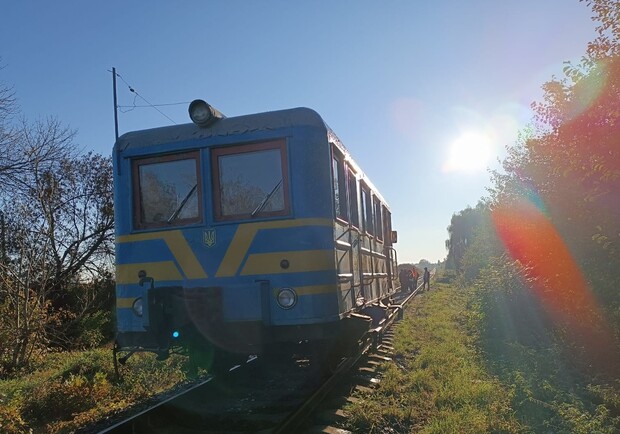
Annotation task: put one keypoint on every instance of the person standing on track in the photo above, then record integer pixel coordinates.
(426, 279)
(414, 280)
(409, 280)
(403, 276)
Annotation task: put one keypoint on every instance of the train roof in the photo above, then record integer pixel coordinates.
(300, 116)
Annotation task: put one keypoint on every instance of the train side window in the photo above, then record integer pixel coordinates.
(378, 219)
(340, 189)
(367, 210)
(387, 226)
(167, 190)
(250, 181)
(353, 204)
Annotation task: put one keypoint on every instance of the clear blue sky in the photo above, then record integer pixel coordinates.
(412, 88)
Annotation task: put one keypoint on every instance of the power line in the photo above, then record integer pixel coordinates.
(136, 94)
(154, 105)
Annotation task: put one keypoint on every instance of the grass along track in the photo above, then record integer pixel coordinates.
(437, 381)
(451, 371)
(454, 369)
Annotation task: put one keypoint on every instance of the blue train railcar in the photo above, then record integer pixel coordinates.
(246, 232)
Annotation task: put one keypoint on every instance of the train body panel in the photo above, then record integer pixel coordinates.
(238, 231)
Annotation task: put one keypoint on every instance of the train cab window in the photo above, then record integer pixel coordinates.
(167, 190)
(367, 210)
(378, 219)
(353, 204)
(250, 181)
(340, 189)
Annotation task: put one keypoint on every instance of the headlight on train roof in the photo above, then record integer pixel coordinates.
(203, 114)
(137, 306)
(287, 298)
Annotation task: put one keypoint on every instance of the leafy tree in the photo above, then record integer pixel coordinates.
(564, 174)
(461, 231)
(483, 250)
(56, 233)
(544, 258)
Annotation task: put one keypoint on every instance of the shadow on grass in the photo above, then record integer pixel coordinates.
(555, 385)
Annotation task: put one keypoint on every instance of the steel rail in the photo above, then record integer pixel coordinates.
(371, 340)
(296, 418)
(125, 424)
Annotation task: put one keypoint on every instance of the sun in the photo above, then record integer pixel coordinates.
(471, 151)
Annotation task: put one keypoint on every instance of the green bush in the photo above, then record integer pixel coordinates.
(69, 390)
(11, 421)
(95, 330)
(535, 358)
(59, 399)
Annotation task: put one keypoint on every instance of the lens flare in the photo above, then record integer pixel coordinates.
(531, 238)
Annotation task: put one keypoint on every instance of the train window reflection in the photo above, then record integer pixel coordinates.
(378, 219)
(340, 189)
(168, 190)
(353, 206)
(367, 211)
(250, 181)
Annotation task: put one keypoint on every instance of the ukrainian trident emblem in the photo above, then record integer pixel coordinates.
(208, 237)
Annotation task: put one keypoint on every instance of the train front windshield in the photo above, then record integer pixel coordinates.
(168, 190)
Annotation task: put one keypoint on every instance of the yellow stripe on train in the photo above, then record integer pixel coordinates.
(125, 303)
(298, 262)
(244, 236)
(313, 289)
(179, 248)
(160, 271)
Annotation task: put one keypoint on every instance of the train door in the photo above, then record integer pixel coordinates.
(342, 234)
(380, 266)
(390, 253)
(366, 244)
(354, 233)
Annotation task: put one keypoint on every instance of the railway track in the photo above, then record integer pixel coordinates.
(259, 395)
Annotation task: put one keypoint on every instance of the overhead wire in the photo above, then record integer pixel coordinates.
(154, 105)
(137, 95)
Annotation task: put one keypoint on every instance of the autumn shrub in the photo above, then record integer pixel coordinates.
(69, 390)
(95, 330)
(11, 421)
(22, 330)
(446, 276)
(59, 399)
(76, 383)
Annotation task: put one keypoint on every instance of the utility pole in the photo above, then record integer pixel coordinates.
(115, 104)
(3, 239)
(3, 259)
